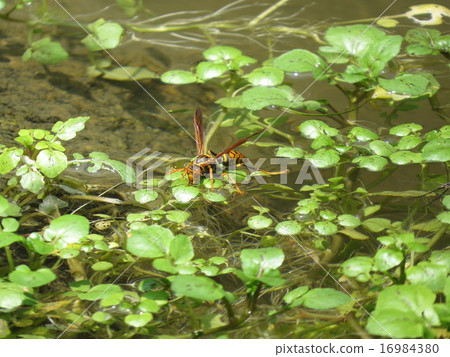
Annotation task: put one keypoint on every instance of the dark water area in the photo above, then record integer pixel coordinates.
(124, 116)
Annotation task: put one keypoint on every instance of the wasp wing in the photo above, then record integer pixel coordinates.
(199, 134)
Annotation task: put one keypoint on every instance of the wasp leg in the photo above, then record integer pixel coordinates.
(211, 177)
(273, 173)
(233, 181)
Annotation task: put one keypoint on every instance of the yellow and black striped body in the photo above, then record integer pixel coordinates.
(231, 159)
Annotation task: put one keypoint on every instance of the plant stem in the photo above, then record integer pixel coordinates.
(10, 259)
(267, 12)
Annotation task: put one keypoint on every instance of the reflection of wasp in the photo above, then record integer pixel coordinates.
(205, 164)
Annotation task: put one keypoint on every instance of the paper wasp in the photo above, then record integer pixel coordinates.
(205, 164)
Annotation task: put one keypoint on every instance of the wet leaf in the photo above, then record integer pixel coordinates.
(9, 159)
(361, 134)
(358, 267)
(22, 275)
(67, 229)
(376, 224)
(265, 77)
(46, 52)
(104, 35)
(372, 163)
(208, 70)
(138, 320)
(150, 242)
(145, 195)
(177, 216)
(433, 276)
(290, 152)
(51, 162)
(197, 287)
(68, 129)
(325, 228)
(406, 157)
(387, 258)
(222, 53)
(185, 194)
(102, 266)
(8, 238)
(315, 128)
(348, 220)
(101, 291)
(181, 249)
(288, 228)
(324, 299)
(178, 77)
(381, 148)
(325, 158)
(299, 60)
(259, 222)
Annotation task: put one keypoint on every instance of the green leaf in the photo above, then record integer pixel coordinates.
(358, 267)
(299, 61)
(8, 238)
(406, 157)
(214, 197)
(355, 40)
(66, 230)
(102, 317)
(178, 77)
(325, 298)
(361, 134)
(37, 243)
(185, 194)
(68, 130)
(128, 73)
(177, 216)
(265, 77)
(290, 152)
(22, 275)
(399, 312)
(260, 97)
(312, 129)
(208, 70)
(433, 276)
(387, 258)
(138, 320)
(197, 287)
(324, 158)
(164, 264)
(222, 53)
(102, 266)
(104, 35)
(145, 195)
(259, 222)
(413, 85)
(9, 160)
(8, 209)
(46, 52)
(51, 162)
(150, 242)
(101, 291)
(257, 262)
(325, 228)
(9, 225)
(181, 249)
(32, 181)
(409, 142)
(348, 220)
(295, 294)
(444, 217)
(437, 150)
(376, 224)
(11, 295)
(288, 228)
(381, 148)
(405, 129)
(373, 163)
